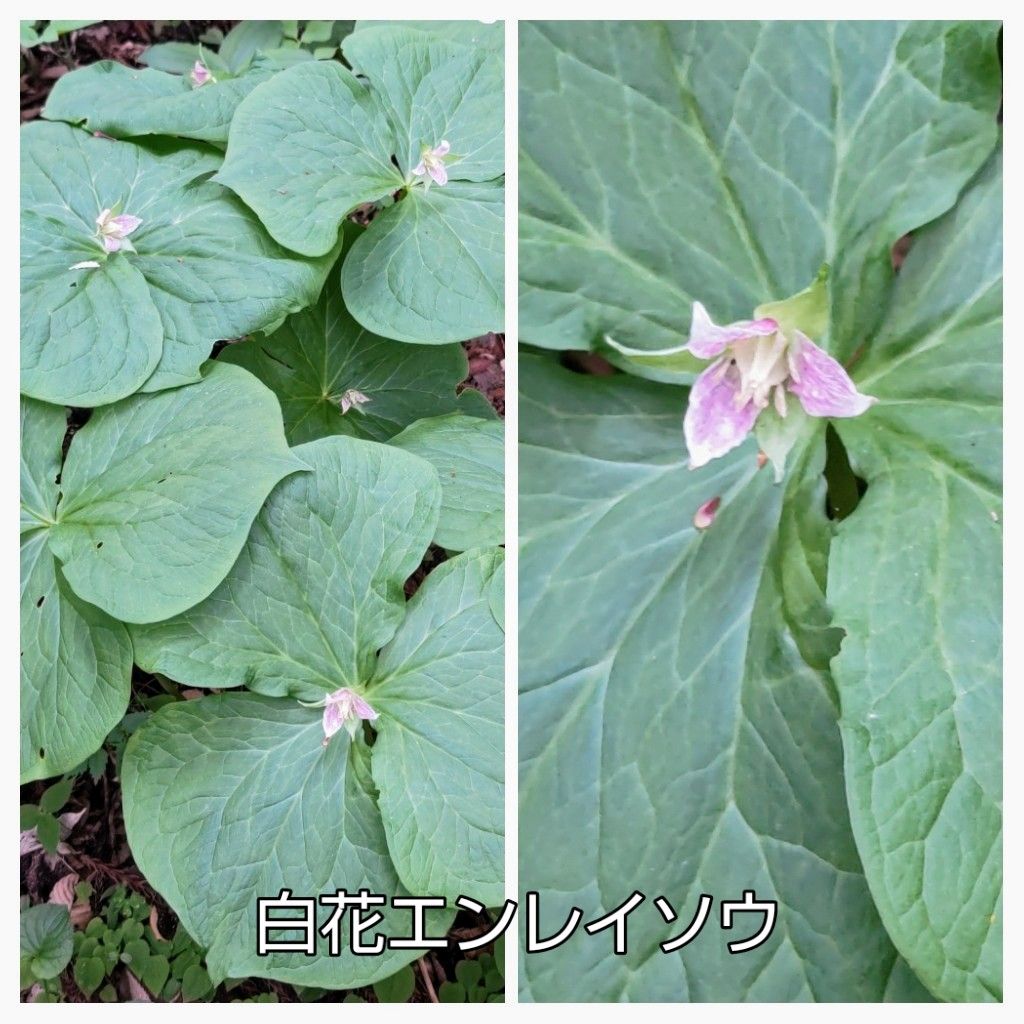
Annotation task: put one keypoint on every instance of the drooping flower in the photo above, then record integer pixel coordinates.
(345, 708)
(756, 363)
(353, 399)
(114, 230)
(200, 75)
(432, 163)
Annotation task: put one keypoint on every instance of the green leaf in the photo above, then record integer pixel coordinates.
(46, 940)
(678, 729)
(159, 491)
(334, 548)
(342, 126)
(398, 988)
(320, 353)
(89, 973)
(438, 761)
(127, 102)
(490, 35)
(200, 773)
(176, 58)
(920, 669)
(247, 39)
(469, 456)
(48, 832)
(75, 660)
(725, 162)
(430, 268)
(204, 268)
(420, 89)
(451, 992)
(56, 796)
(195, 983)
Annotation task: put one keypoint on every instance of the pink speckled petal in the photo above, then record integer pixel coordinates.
(708, 339)
(822, 385)
(126, 222)
(714, 424)
(443, 149)
(334, 719)
(111, 244)
(420, 168)
(438, 173)
(362, 709)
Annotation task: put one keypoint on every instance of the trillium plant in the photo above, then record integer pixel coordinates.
(769, 532)
(253, 478)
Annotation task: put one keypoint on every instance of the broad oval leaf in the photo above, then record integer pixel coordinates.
(317, 590)
(920, 672)
(469, 456)
(128, 102)
(46, 940)
(204, 268)
(430, 268)
(320, 354)
(725, 162)
(358, 143)
(438, 760)
(159, 492)
(232, 797)
(76, 662)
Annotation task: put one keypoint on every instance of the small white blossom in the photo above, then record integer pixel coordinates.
(432, 163)
(114, 230)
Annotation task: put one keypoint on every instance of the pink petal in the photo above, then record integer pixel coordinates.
(420, 168)
(126, 222)
(333, 719)
(708, 339)
(443, 149)
(714, 424)
(111, 244)
(362, 709)
(102, 217)
(822, 385)
(438, 173)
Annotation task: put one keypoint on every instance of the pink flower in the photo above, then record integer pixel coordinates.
(345, 708)
(114, 230)
(757, 363)
(200, 75)
(432, 163)
(352, 399)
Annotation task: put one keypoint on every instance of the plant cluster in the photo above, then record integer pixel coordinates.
(265, 438)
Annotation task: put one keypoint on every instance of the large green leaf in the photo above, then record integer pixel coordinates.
(724, 162)
(914, 580)
(232, 797)
(124, 102)
(469, 455)
(474, 33)
(317, 590)
(204, 268)
(321, 353)
(429, 268)
(159, 492)
(673, 736)
(439, 756)
(76, 662)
